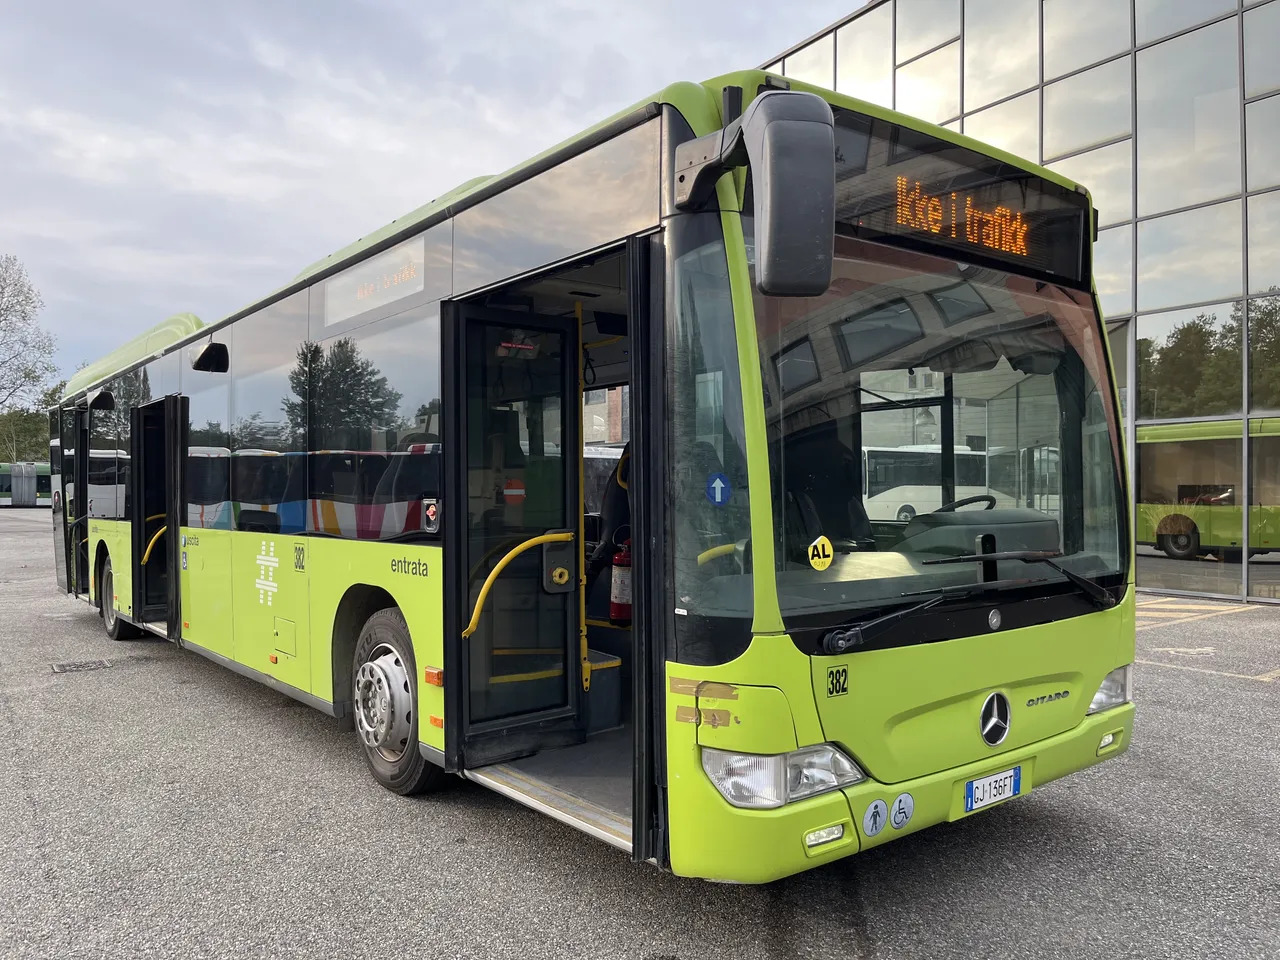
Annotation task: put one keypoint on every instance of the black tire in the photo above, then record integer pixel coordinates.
(117, 628)
(400, 767)
(906, 514)
(1182, 546)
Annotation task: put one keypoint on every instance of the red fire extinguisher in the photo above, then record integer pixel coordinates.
(620, 587)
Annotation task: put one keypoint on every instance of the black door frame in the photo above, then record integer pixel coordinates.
(467, 744)
(78, 528)
(647, 298)
(172, 413)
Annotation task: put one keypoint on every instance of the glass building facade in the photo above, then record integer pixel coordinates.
(1169, 112)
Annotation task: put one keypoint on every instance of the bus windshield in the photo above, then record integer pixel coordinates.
(882, 394)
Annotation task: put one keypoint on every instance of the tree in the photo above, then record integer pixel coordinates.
(24, 435)
(26, 350)
(339, 397)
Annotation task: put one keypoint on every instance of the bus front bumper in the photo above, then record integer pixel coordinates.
(758, 846)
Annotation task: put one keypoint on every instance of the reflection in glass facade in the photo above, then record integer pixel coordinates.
(929, 88)
(1013, 125)
(1083, 32)
(999, 60)
(1189, 114)
(1160, 18)
(1189, 257)
(1261, 66)
(1169, 112)
(1088, 109)
(1109, 173)
(1262, 135)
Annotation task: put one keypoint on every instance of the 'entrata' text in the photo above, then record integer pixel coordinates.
(414, 568)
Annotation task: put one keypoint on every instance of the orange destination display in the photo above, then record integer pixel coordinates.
(896, 185)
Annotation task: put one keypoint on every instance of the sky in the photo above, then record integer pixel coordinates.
(168, 157)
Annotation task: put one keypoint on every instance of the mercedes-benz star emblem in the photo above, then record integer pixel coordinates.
(994, 724)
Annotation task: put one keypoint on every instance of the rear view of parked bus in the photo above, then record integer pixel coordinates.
(716, 660)
(24, 485)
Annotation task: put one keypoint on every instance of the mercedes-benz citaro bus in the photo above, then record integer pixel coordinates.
(726, 668)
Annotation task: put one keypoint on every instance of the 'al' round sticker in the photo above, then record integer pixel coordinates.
(820, 553)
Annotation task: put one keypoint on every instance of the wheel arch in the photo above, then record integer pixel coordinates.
(359, 603)
(100, 557)
(1172, 524)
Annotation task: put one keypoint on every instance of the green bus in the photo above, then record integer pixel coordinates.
(1190, 500)
(25, 485)
(717, 662)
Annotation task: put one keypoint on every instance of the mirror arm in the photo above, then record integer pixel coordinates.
(700, 163)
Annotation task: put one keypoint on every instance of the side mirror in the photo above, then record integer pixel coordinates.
(101, 399)
(787, 138)
(211, 358)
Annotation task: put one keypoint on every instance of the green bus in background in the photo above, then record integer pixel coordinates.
(1190, 499)
(715, 661)
(24, 485)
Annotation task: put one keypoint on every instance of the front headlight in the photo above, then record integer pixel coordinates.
(1116, 689)
(762, 782)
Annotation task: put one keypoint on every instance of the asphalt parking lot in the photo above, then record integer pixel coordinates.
(162, 806)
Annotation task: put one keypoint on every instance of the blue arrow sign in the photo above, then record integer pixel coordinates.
(718, 489)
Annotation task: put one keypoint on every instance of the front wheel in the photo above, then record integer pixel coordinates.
(117, 629)
(385, 700)
(906, 514)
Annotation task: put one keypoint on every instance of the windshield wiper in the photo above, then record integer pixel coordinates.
(1095, 591)
(847, 636)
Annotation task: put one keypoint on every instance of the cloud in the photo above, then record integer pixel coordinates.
(169, 158)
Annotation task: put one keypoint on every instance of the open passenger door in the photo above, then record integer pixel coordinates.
(156, 502)
(514, 631)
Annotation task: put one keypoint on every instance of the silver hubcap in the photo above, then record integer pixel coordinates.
(384, 705)
(108, 601)
(1181, 541)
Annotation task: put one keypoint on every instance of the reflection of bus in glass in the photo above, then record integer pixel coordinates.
(901, 482)
(373, 495)
(209, 487)
(1025, 476)
(24, 485)
(767, 683)
(1189, 501)
(269, 490)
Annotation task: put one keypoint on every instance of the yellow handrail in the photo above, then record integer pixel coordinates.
(155, 516)
(501, 565)
(706, 556)
(147, 555)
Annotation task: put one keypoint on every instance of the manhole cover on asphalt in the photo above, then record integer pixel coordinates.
(79, 666)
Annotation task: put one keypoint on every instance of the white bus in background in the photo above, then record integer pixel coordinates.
(899, 483)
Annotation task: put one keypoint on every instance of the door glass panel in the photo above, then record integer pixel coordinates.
(517, 488)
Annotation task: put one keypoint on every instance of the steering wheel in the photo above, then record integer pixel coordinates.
(986, 498)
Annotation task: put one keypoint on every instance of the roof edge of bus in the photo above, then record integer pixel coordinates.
(147, 344)
(468, 190)
(934, 130)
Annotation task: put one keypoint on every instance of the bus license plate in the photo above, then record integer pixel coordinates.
(987, 790)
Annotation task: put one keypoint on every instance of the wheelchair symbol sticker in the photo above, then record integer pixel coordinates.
(903, 808)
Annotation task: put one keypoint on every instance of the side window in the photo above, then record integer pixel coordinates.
(208, 473)
(710, 504)
(372, 412)
(268, 425)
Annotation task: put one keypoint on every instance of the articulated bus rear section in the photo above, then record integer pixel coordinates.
(612, 521)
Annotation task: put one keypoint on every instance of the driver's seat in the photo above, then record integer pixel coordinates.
(827, 499)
